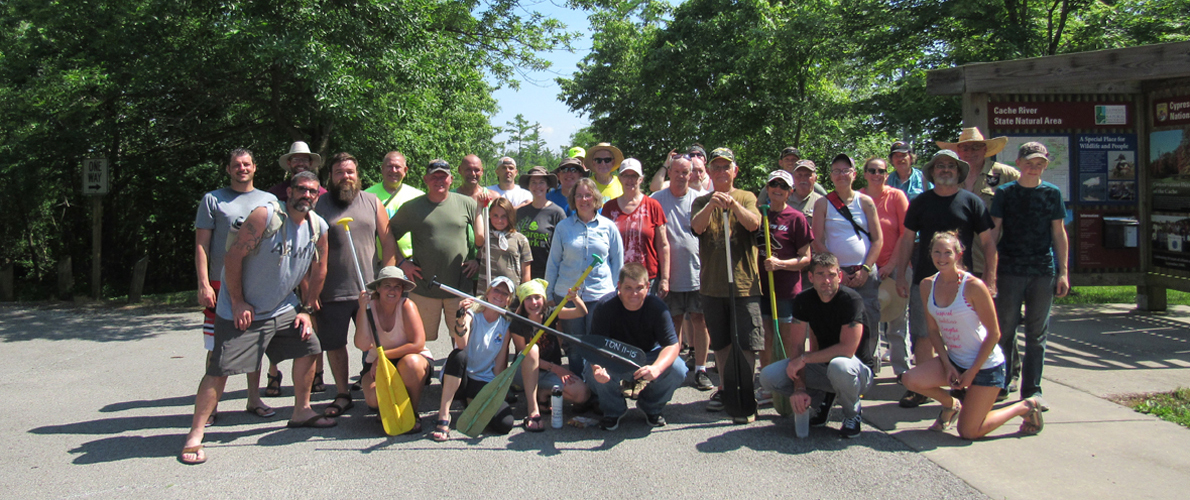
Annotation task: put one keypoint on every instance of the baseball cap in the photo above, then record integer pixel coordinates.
(576, 152)
(900, 147)
(783, 175)
(806, 164)
(1030, 150)
(790, 151)
(503, 280)
(843, 157)
(631, 164)
(436, 165)
(721, 153)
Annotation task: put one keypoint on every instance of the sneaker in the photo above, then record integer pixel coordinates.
(716, 402)
(657, 420)
(912, 400)
(744, 420)
(637, 388)
(824, 411)
(850, 427)
(702, 381)
(1003, 396)
(763, 397)
(610, 423)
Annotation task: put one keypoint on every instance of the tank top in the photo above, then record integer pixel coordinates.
(841, 238)
(960, 328)
(397, 332)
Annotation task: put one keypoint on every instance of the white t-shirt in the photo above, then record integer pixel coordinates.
(517, 195)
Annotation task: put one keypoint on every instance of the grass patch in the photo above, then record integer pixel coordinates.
(1080, 295)
(186, 298)
(1170, 406)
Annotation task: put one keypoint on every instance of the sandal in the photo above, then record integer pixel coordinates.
(947, 417)
(317, 385)
(262, 411)
(273, 388)
(335, 409)
(534, 424)
(199, 455)
(211, 419)
(441, 431)
(1033, 421)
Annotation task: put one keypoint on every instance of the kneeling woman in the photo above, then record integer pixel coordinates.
(482, 339)
(399, 327)
(963, 329)
(547, 354)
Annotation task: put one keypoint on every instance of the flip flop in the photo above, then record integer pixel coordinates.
(1034, 422)
(313, 422)
(536, 419)
(211, 419)
(199, 455)
(262, 411)
(334, 409)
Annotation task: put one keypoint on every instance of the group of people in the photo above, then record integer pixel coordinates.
(677, 274)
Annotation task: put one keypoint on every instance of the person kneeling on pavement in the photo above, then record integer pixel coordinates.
(636, 318)
(835, 316)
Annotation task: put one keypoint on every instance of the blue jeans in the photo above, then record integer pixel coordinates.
(848, 378)
(577, 327)
(652, 399)
(1037, 294)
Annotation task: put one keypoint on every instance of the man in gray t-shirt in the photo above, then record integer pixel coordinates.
(218, 211)
(684, 265)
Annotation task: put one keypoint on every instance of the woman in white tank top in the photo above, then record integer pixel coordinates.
(964, 331)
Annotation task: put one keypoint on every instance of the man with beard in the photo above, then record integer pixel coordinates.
(258, 312)
(299, 159)
(340, 295)
(986, 175)
(946, 207)
(393, 191)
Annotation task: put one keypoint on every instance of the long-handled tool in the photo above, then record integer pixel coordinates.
(612, 350)
(777, 352)
(396, 411)
(738, 399)
(479, 413)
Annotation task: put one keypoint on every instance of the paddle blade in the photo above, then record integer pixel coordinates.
(406, 414)
(738, 398)
(486, 403)
(389, 412)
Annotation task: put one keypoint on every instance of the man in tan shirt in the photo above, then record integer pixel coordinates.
(986, 173)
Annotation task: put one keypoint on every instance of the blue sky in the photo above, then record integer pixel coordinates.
(537, 98)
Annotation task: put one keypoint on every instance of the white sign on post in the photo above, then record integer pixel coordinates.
(95, 176)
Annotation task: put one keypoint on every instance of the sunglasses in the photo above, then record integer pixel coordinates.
(572, 169)
(696, 153)
(603, 160)
(778, 184)
(878, 171)
(440, 164)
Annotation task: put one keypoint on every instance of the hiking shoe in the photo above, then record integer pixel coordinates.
(702, 381)
(610, 423)
(763, 397)
(744, 420)
(912, 400)
(716, 402)
(637, 388)
(850, 427)
(657, 420)
(824, 411)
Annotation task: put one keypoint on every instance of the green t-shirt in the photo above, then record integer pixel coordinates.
(713, 254)
(439, 232)
(391, 204)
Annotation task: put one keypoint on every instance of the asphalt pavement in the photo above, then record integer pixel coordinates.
(99, 401)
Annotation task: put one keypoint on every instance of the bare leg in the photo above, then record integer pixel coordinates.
(303, 375)
(368, 384)
(339, 360)
(529, 376)
(702, 338)
(450, 385)
(254, 400)
(928, 378)
(977, 418)
(205, 401)
(413, 370)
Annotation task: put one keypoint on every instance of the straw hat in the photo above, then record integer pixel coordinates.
(892, 304)
(972, 134)
(617, 156)
(300, 147)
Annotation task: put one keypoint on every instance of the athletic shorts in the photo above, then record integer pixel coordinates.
(682, 303)
(208, 320)
(429, 373)
(784, 311)
(717, 311)
(333, 320)
(241, 351)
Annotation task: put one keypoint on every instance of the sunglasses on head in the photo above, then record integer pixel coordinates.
(877, 171)
(439, 164)
(603, 160)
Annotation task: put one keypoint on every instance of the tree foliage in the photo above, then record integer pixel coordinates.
(165, 88)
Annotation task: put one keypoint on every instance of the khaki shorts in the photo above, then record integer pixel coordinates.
(241, 351)
(431, 311)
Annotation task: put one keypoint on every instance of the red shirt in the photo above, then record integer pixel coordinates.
(638, 230)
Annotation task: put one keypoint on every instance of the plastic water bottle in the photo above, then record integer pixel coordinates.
(801, 423)
(556, 407)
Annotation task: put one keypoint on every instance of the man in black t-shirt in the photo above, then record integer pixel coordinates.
(634, 317)
(835, 316)
(947, 207)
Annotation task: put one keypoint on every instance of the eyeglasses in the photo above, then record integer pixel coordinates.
(878, 171)
(602, 160)
(776, 183)
(946, 166)
(842, 172)
(721, 167)
(302, 190)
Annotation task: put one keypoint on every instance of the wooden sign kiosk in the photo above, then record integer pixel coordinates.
(1117, 124)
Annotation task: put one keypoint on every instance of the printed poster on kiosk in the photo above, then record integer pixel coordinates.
(1169, 154)
(1107, 169)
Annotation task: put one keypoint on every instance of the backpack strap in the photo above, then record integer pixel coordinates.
(837, 202)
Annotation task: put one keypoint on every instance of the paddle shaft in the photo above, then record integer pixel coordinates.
(735, 401)
(780, 404)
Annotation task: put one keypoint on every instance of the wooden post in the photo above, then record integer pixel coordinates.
(96, 246)
(975, 111)
(6, 286)
(65, 279)
(138, 279)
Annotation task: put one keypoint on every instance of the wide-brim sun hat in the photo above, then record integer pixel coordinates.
(538, 171)
(892, 304)
(617, 156)
(300, 147)
(573, 162)
(972, 134)
(391, 272)
(927, 172)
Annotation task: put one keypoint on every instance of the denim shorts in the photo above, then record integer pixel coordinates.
(987, 377)
(784, 310)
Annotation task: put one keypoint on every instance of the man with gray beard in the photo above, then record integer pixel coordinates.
(946, 207)
(339, 298)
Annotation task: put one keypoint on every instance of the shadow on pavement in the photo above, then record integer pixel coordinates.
(99, 325)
